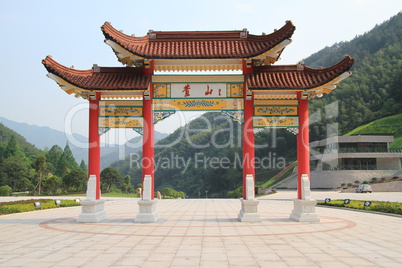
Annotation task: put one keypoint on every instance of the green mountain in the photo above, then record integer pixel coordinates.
(391, 125)
(373, 91)
(5, 137)
(206, 155)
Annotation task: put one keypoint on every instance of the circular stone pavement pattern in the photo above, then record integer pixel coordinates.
(200, 233)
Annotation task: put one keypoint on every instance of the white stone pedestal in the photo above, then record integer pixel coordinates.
(304, 211)
(249, 212)
(92, 211)
(147, 211)
(147, 206)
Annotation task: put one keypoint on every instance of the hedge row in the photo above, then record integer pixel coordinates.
(28, 205)
(379, 206)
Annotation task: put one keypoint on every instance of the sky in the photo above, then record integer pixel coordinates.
(70, 32)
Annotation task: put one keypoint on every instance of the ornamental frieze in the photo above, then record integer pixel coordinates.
(276, 121)
(197, 104)
(272, 110)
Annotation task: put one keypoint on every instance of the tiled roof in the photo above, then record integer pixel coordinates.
(198, 44)
(295, 76)
(100, 78)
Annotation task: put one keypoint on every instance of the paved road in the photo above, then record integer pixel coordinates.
(201, 233)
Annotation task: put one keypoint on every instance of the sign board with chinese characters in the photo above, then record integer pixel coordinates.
(198, 90)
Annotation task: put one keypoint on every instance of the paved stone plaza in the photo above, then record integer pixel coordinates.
(202, 233)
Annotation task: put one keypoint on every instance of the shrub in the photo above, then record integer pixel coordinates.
(365, 182)
(357, 182)
(5, 190)
(236, 193)
(52, 185)
(349, 184)
(170, 193)
(380, 206)
(343, 184)
(374, 179)
(383, 179)
(28, 205)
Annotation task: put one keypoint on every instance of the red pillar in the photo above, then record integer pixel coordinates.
(148, 161)
(303, 143)
(94, 141)
(247, 131)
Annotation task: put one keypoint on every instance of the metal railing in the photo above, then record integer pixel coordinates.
(350, 167)
(365, 150)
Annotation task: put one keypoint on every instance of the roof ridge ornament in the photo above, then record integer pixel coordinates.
(96, 68)
(300, 66)
(152, 34)
(243, 34)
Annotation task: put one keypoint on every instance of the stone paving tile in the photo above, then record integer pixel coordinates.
(200, 233)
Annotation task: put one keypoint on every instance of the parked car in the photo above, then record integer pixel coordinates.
(364, 188)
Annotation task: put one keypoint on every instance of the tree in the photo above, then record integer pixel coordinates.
(5, 190)
(52, 185)
(15, 168)
(12, 148)
(75, 181)
(25, 185)
(110, 176)
(127, 186)
(40, 166)
(66, 162)
(83, 166)
(53, 155)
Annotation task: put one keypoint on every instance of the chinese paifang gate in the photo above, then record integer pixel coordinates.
(263, 96)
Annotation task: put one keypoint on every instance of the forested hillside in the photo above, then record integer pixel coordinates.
(206, 155)
(374, 90)
(26, 168)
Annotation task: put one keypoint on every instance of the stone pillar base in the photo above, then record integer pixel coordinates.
(147, 212)
(92, 211)
(249, 210)
(304, 211)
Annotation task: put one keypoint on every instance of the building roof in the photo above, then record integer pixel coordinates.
(97, 78)
(295, 77)
(263, 80)
(353, 139)
(198, 44)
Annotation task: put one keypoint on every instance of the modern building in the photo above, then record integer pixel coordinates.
(346, 159)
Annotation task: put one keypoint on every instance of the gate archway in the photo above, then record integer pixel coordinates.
(264, 95)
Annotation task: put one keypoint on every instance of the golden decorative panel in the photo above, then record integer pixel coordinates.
(275, 102)
(275, 110)
(120, 122)
(276, 121)
(120, 108)
(234, 90)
